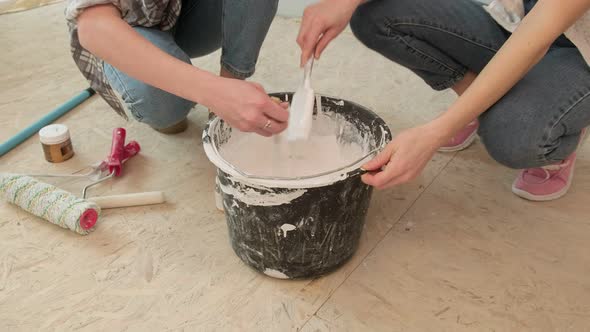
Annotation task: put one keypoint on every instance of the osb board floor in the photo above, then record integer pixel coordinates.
(452, 251)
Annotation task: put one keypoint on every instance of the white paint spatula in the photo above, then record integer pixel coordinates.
(301, 111)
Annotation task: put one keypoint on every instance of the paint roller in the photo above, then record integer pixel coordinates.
(48, 202)
(62, 208)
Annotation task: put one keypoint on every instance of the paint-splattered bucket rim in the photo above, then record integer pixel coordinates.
(308, 181)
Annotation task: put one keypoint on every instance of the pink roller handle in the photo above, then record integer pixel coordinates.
(131, 149)
(115, 159)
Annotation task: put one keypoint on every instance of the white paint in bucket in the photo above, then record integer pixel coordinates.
(289, 159)
(328, 148)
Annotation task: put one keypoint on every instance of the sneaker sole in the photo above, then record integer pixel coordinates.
(466, 143)
(545, 198)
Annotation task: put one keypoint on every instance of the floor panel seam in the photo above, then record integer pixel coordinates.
(378, 242)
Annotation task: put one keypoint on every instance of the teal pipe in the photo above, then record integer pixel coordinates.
(31, 130)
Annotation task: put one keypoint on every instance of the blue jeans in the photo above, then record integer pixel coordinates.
(237, 26)
(538, 122)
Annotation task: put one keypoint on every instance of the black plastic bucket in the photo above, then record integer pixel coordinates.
(298, 227)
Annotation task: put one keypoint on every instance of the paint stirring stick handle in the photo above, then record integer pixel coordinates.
(307, 73)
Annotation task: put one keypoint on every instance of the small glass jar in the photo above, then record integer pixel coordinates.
(56, 142)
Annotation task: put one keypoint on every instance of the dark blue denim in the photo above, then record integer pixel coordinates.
(538, 122)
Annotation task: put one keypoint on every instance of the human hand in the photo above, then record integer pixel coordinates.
(404, 158)
(246, 107)
(322, 22)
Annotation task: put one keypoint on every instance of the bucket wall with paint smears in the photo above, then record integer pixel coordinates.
(290, 218)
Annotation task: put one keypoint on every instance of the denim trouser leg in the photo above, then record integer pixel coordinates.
(148, 104)
(438, 40)
(239, 27)
(535, 124)
(245, 24)
(538, 122)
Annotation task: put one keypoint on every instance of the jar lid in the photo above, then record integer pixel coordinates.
(54, 134)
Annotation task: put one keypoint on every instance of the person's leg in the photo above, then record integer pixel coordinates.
(440, 41)
(238, 27)
(198, 31)
(245, 25)
(446, 43)
(159, 109)
(537, 125)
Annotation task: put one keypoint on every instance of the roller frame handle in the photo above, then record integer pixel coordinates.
(128, 200)
(131, 149)
(115, 159)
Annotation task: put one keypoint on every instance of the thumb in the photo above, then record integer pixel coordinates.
(381, 159)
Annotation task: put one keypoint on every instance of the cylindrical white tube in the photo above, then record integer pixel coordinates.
(128, 200)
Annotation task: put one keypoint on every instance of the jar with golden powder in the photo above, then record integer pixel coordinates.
(56, 143)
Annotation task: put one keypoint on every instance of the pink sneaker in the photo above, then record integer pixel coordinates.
(549, 182)
(545, 183)
(463, 139)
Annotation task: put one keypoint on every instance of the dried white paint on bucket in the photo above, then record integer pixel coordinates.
(259, 198)
(287, 228)
(275, 274)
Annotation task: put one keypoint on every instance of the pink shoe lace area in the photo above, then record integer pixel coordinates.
(543, 174)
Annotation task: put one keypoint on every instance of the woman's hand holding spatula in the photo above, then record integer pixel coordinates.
(247, 107)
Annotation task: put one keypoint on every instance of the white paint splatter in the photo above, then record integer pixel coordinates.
(286, 228)
(300, 223)
(275, 274)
